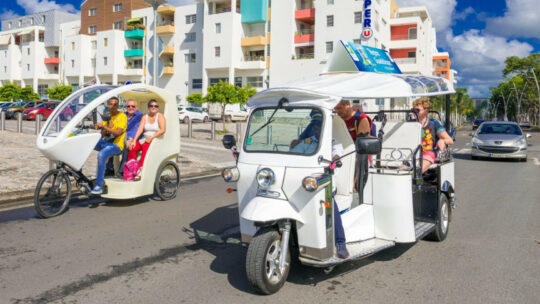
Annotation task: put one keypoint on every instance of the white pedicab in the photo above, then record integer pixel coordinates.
(285, 195)
(69, 143)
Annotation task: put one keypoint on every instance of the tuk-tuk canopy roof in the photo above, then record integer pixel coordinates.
(332, 87)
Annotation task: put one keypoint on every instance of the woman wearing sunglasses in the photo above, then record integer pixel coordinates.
(152, 125)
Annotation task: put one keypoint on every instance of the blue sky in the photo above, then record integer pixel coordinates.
(479, 35)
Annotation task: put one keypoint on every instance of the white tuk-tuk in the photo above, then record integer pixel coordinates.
(69, 142)
(285, 195)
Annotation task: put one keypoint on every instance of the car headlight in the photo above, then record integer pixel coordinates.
(310, 184)
(231, 174)
(33, 112)
(266, 177)
(521, 142)
(476, 141)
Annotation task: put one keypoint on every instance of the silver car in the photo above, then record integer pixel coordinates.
(499, 140)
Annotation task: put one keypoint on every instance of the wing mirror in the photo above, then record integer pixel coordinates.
(228, 141)
(106, 116)
(528, 135)
(368, 145)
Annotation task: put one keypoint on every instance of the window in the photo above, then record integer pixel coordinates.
(117, 7)
(41, 89)
(217, 51)
(72, 63)
(330, 20)
(92, 29)
(5, 69)
(105, 60)
(43, 18)
(117, 25)
(93, 62)
(73, 46)
(196, 84)
(92, 12)
(105, 41)
(32, 21)
(357, 41)
(411, 54)
(28, 51)
(214, 81)
(9, 25)
(238, 81)
(20, 23)
(5, 54)
(190, 19)
(191, 57)
(329, 47)
(94, 44)
(41, 37)
(28, 67)
(357, 17)
(256, 82)
(190, 37)
(412, 33)
(329, 1)
(218, 28)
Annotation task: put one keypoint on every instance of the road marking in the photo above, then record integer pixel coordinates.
(463, 151)
(536, 161)
(467, 144)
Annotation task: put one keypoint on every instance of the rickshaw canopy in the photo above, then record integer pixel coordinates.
(328, 89)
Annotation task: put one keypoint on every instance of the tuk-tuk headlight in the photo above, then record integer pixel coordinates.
(310, 184)
(231, 174)
(266, 177)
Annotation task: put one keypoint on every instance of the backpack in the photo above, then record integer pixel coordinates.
(360, 115)
(131, 169)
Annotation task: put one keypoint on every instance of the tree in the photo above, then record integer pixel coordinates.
(59, 91)
(9, 91)
(195, 98)
(27, 93)
(225, 93)
(528, 68)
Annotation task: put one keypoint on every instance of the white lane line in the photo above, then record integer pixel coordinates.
(463, 151)
(536, 161)
(467, 144)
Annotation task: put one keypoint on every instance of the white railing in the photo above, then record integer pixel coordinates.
(405, 60)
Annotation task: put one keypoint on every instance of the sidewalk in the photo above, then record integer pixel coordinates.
(22, 165)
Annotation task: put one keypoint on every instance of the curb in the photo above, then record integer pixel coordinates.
(12, 200)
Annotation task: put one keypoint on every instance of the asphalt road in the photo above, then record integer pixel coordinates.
(187, 250)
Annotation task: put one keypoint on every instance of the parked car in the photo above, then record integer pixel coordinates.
(233, 112)
(45, 110)
(185, 114)
(499, 140)
(524, 125)
(477, 123)
(452, 131)
(19, 107)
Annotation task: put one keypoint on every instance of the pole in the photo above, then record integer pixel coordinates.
(2, 121)
(213, 133)
(238, 131)
(19, 122)
(156, 58)
(190, 129)
(38, 124)
(447, 113)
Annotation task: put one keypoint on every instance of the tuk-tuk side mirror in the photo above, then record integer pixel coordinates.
(228, 141)
(368, 145)
(528, 135)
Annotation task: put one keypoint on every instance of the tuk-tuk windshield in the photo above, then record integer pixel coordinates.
(289, 130)
(71, 106)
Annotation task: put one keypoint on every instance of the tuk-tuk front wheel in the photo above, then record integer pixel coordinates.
(52, 194)
(167, 181)
(262, 262)
(443, 223)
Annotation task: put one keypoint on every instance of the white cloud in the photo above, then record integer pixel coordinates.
(463, 14)
(7, 14)
(36, 6)
(521, 19)
(441, 11)
(181, 2)
(479, 58)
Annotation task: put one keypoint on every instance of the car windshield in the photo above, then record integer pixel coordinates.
(73, 105)
(289, 130)
(6, 105)
(500, 129)
(41, 105)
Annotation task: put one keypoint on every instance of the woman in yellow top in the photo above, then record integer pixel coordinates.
(117, 127)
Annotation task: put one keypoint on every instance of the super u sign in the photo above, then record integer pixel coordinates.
(367, 32)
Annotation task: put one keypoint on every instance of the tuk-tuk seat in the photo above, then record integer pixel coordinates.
(404, 137)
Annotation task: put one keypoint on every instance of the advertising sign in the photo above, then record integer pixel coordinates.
(367, 32)
(370, 59)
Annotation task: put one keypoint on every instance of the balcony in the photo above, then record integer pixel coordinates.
(395, 37)
(166, 10)
(166, 29)
(168, 50)
(134, 34)
(305, 15)
(168, 70)
(405, 60)
(223, 9)
(134, 53)
(304, 38)
(254, 41)
(52, 60)
(134, 71)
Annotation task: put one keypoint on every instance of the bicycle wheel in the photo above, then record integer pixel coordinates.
(53, 193)
(167, 181)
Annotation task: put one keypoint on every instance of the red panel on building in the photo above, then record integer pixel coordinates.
(304, 38)
(401, 53)
(400, 32)
(306, 15)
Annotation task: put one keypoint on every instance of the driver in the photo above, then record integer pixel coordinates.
(115, 126)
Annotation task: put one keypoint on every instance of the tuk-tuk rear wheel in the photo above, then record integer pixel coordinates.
(53, 192)
(443, 223)
(262, 262)
(167, 181)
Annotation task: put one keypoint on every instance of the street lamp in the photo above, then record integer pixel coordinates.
(155, 4)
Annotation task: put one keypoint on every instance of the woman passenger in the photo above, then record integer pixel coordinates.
(152, 125)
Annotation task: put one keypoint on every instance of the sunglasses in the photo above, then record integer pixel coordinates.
(153, 106)
(113, 105)
(131, 106)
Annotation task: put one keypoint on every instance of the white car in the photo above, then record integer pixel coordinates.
(185, 114)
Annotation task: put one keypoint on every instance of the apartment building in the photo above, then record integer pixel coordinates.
(103, 15)
(29, 49)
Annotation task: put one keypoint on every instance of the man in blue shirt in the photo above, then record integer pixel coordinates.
(133, 119)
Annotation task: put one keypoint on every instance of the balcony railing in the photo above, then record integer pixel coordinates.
(403, 37)
(169, 70)
(134, 53)
(168, 50)
(304, 56)
(405, 60)
(221, 10)
(166, 29)
(304, 32)
(307, 38)
(254, 58)
(52, 60)
(305, 15)
(253, 41)
(134, 34)
(166, 10)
